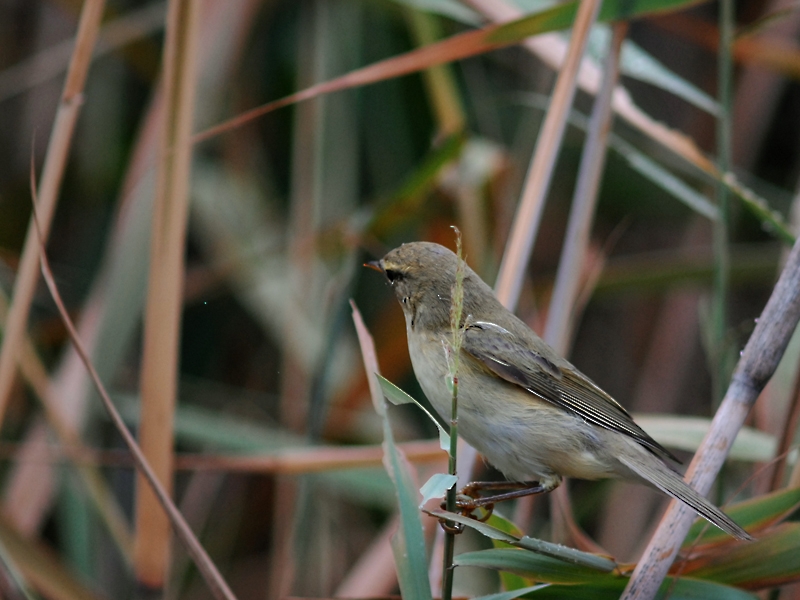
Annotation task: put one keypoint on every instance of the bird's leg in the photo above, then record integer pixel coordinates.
(468, 500)
(517, 489)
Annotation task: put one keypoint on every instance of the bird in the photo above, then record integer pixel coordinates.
(530, 413)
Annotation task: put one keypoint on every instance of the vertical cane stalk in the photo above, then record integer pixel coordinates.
(160, 346)
(456, 309)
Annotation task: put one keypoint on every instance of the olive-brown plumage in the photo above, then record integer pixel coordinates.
(530, 412)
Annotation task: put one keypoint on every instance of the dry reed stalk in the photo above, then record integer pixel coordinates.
(160, 367)
(50, 184)
(758, 362)
(30, 488)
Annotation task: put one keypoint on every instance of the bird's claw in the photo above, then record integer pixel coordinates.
(466, 506)
(468, 500)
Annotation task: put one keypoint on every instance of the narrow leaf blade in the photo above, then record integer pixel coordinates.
(437, 486)
(397, 397)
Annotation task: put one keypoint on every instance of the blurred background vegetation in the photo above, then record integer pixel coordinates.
(284, 210)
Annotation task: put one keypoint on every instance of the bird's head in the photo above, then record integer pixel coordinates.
(422, 275)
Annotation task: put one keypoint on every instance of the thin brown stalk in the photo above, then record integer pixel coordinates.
(208, 570)
(758, 362)
(50, 184)
(159, 376)
(537, 182)
(456, 309)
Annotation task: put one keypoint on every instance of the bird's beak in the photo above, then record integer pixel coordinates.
(375, 265)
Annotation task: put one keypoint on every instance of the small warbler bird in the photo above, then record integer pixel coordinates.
(528, 411)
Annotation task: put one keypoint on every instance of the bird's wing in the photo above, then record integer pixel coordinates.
(550, 379)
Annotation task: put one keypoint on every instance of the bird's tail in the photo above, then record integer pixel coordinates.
(669, 482)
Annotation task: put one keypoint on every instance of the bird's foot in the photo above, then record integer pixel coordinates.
(468, 499)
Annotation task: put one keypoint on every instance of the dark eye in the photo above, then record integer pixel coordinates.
(394, 275)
